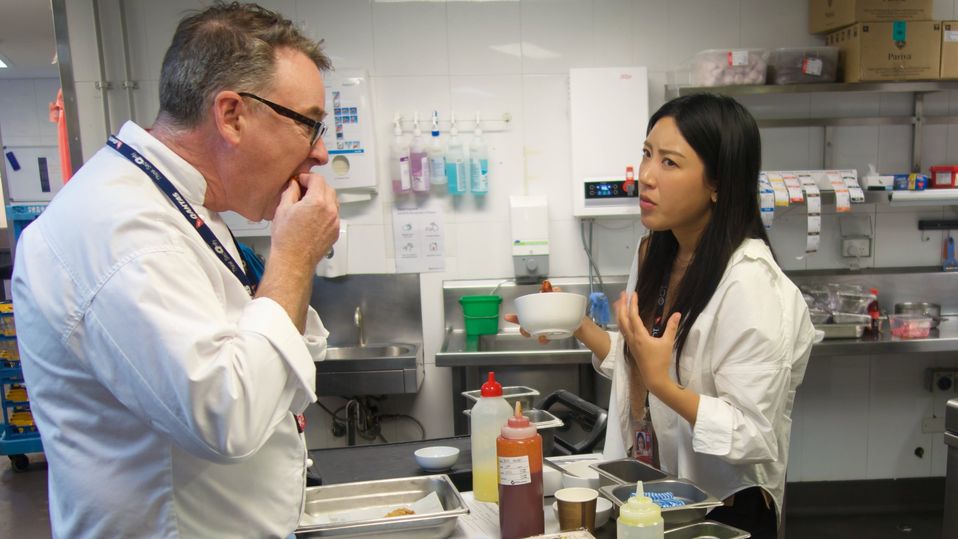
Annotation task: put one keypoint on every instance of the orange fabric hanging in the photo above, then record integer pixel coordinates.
(58, 116)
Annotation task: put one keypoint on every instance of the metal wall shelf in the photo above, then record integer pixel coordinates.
(917, 119)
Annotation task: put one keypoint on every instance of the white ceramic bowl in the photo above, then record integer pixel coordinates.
(436, 458)
(551, 480)
(550, 314)
(581, 475)
(603, 510)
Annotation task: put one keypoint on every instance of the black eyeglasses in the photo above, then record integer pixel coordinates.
(317, 128)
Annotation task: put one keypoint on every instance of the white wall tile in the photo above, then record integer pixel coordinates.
(695, 26)
(492, 96)
(786, 148)
(943, 10)
(898, 242)
(18, 110)
(651, 34)
(409, 38)
(478, 252)
(855, 147)
(546, 142)
(367, 248)
(894, 431)
(612, 33)
(614, 245)
(556, 35)
(566, 255)
(404, 96)
(894, 148)
(776, 23)
(346, 26)
(146, 102)
(159, 20)
(788, 238)
(484, 38)
(833, 401)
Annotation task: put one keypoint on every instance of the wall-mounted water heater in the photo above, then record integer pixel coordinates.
(609, 109)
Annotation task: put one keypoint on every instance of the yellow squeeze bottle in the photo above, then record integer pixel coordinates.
(640, 518)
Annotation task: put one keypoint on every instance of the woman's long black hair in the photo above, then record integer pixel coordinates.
(726, 139)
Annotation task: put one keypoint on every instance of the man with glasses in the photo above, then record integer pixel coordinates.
(167, 378)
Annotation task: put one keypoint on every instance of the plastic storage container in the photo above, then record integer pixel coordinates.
(481, 314)
(803, 65)
(944, 177)
(909, 326)
(724, 67)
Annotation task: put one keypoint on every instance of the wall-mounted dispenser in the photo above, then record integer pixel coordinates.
(530, 237)
(351, 137)
(609, 110)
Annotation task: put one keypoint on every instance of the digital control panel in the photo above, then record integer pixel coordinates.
(614, 189)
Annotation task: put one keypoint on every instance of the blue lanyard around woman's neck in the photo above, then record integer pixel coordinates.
(180, 203)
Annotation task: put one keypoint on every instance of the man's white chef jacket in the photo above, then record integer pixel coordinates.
(164, 394)
(745, 356)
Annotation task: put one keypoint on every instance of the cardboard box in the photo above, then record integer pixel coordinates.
(949, 49)
(828, 15)
(883, 51)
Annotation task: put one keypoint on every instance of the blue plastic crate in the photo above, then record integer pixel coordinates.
(21, 215)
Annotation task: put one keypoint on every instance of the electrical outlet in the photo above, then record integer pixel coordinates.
(856, 247)
(939, 380)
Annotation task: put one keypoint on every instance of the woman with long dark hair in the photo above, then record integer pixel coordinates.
(711, 333)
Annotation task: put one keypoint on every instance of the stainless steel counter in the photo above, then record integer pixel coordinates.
(513, 349)
(558, 361)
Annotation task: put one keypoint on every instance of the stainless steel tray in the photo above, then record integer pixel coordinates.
(546, 424)
(512, 394)
(626, 472)
(707, 530)
(697, 501)
(842, 331)
(385, 493)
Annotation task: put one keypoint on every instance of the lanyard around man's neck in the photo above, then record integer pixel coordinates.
(185, 209)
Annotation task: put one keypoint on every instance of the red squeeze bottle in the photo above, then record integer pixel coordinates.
(519, 450)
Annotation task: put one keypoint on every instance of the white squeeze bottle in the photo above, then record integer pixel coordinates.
(457, 166)
(399, 161)
(488, 416)
(640, 518)
(478, 162)
(418, 161)
(437, 156)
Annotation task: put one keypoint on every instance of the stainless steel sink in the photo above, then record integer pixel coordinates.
(375, 369)
(369, 352)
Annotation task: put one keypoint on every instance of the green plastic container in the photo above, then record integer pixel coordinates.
(481, 314)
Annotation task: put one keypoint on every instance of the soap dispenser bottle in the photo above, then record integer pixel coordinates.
(478, 162)
(486, 419)
(457, 167)
(399, 161)
(640, 518)
(418, 161)
(437, 156)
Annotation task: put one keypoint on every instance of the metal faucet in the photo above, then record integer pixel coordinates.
(358, 320)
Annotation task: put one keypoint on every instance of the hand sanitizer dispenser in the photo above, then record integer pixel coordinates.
(530, 237)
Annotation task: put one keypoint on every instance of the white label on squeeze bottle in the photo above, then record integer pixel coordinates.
(737, 58)
(514, 471)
